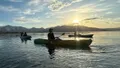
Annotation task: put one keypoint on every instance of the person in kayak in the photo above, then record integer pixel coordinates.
(51, 36)
(25, 34)
(50, 46)
(21, 33)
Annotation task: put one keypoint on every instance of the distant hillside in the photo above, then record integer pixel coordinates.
(64, 28)
(9, 28)
(111, 29)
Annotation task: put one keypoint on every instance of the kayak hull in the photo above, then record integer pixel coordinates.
(66, 43)
(85, 36)
(25, 37)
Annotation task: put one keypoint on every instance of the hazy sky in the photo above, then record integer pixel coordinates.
(47, 13)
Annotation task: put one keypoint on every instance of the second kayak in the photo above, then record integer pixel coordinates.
(26, 37)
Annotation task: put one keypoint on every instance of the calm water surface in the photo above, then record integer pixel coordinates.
(104, 53)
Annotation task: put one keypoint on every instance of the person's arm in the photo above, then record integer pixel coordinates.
(53, 35)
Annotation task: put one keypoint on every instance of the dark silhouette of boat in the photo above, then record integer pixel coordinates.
(66, 43)
(81, 35)
(26, 37)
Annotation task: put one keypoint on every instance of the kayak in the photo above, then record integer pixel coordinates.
(26, 37)
(80, 35)
(65, 43)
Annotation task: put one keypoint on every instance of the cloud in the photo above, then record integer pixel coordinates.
(102, 0)
(109, 12)
(24, 20)
(32, 11)
(94, 18)
(9, 8)
(82, 12)
(34, 2)
(118, 1)
(84, 9)
(38, 2)
(15, 0)
(56, 17)
(28, 11)
(57, 5)
(92, 8)
(33, 7)
(117, 19)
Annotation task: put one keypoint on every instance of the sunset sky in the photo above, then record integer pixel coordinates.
(48, 13)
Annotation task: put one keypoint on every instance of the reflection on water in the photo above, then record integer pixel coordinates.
(25, 40)
(104, 52)
(51, 50)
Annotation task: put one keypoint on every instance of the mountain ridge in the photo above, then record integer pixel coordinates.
(63, 28)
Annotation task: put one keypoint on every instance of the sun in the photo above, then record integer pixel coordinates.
(76, 21)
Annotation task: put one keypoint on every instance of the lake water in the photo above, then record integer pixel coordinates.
(104, 53)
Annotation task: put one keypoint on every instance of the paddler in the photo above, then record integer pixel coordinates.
(51, 36)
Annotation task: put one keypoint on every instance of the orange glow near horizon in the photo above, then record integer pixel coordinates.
(97, 23)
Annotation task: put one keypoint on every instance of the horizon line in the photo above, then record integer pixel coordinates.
(56, 26)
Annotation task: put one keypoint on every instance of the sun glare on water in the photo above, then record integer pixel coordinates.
(77, 39)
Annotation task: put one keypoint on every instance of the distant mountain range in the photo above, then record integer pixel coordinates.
(64, 28)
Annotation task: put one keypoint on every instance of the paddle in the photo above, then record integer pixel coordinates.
(60, 35)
